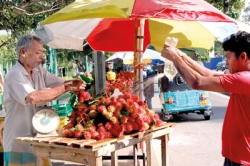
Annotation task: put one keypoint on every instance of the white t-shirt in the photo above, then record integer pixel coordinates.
(18, 119)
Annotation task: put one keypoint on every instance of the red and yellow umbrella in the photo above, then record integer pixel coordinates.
(131, 25)
(109, 25)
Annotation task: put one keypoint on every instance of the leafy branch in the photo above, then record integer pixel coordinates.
(37, 13)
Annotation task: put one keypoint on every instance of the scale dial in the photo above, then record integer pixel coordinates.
(45, 121)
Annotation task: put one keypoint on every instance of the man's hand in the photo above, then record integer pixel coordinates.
(75, 85)
(170, 52)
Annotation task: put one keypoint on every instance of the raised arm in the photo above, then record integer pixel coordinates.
(196, 76)
(202, 70)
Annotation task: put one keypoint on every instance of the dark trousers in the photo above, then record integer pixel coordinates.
(228, 162)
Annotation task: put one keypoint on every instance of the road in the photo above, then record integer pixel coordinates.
(197, 142)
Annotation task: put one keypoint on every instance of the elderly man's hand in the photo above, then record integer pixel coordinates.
(75, 85)
(79, 84)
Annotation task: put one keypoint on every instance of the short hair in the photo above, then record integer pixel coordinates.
(25, 42)
(238, 43)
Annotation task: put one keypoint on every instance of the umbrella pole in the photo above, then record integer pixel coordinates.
(138, 54)
(140, 45)
(136, 60)
(138, 74)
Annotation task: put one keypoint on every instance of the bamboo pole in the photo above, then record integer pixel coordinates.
(136, 72)
(138, 54)
(141, 40)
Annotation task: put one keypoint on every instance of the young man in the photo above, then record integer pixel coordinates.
(27, 86)
(236, 127)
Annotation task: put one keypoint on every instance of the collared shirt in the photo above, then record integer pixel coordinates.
(18, 119)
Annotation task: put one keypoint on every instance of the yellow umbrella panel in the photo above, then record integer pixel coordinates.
(189, 33)
(82, 9)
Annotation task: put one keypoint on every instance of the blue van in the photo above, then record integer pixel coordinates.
(177, 97)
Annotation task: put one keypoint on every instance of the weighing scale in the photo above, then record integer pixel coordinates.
(45, 122)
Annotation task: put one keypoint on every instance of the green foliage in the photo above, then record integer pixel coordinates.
(7, 50)
(21, 16)
(219, 50)
(66, 58)
(235, 7)
(246, 15)
(198, 54)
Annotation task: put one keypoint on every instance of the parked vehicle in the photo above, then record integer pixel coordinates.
(177, 98)
(149, 71)
(221, 65)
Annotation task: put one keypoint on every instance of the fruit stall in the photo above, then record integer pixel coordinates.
(98, 126)
(91, 152)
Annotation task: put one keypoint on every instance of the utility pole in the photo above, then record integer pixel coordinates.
(226, 6)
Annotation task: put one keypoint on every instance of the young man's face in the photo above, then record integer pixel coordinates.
(232, 62)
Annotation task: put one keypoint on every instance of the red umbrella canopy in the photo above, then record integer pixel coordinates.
(198, 10)
(120, 31)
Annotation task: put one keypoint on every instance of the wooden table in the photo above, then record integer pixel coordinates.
(90, 152)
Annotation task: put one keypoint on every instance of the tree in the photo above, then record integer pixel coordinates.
(7, 53)
(218, 48)
(21, 16)
(66, 58)
(234, 10)
(246, 16)
(234, 6)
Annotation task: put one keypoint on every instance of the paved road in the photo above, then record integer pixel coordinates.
(197, 142)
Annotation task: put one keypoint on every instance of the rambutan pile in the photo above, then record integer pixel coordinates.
(106, 116)
(123, 82)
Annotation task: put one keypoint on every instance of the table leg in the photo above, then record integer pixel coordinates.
(39, 161)
(151, 157)
(144, 153)
(43, 161)
(114, 158)
(135, 154)
(96, 161)
(148, 150)
(164, 144)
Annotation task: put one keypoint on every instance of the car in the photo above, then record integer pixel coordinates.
(177, 97)
(221, 66)
(148, 71)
